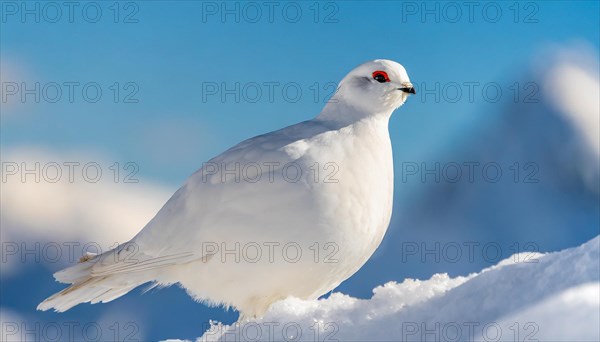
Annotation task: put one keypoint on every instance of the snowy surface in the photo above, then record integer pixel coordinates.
(543, 297)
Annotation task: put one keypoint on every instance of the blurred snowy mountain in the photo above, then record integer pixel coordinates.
(542, 164)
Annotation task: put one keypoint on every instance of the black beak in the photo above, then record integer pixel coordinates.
(410, 90)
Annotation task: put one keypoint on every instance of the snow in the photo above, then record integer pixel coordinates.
(554, 296)
(570, 315)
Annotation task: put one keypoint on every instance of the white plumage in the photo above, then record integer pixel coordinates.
(290, 213)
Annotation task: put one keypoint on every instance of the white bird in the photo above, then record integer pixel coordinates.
(293, 212)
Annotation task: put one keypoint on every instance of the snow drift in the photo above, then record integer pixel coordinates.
(526, 297)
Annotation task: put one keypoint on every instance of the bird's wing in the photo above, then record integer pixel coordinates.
(223, 199)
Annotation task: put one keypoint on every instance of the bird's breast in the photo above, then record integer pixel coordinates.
(355, 190)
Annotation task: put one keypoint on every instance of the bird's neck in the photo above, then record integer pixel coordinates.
(339, 112)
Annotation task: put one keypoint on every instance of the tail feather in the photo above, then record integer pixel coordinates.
(87, 287)
(108, 276)
(92, 290)
(74, 274)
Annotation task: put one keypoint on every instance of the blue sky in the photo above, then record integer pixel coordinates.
(172, 53)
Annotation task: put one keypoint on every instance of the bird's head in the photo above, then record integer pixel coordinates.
(378, 86)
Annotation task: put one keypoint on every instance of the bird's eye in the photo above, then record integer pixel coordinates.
(381, 76)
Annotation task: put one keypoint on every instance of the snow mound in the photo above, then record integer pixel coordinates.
(553, 296)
